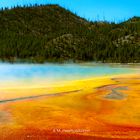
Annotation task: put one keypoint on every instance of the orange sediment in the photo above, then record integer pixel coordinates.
(102, 108)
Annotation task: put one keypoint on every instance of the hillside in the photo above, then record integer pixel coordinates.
(52, 33)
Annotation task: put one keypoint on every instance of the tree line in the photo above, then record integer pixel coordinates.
(43, 33)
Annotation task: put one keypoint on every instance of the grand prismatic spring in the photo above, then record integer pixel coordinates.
(69, 101)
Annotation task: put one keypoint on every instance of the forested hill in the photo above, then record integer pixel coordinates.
(52, 33)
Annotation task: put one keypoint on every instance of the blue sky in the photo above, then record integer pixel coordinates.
(110, 10)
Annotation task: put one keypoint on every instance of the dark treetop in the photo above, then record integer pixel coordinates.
(52, 33)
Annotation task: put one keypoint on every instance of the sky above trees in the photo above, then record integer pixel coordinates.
(110, 10)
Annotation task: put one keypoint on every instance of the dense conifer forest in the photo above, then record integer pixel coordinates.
(51, 33)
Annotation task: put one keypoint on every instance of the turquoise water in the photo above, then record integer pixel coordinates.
(58, 72)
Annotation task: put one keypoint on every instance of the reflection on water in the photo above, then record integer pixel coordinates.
(48, 73)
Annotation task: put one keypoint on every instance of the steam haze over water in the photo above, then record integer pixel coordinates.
(27, 74)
